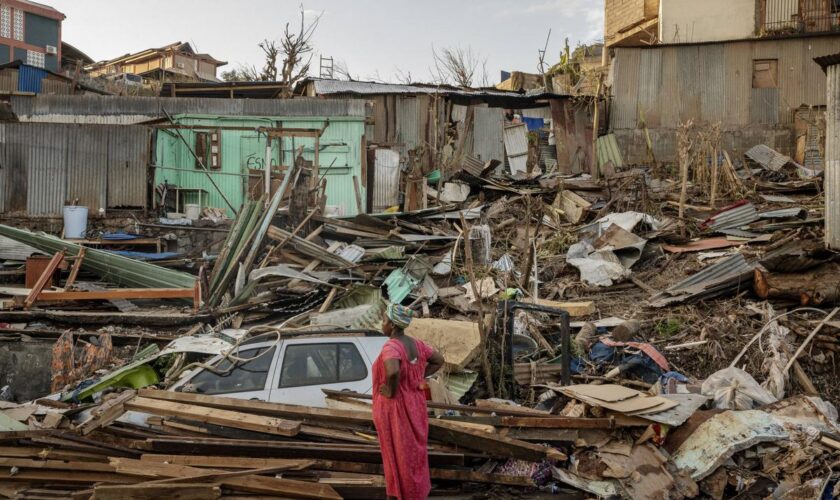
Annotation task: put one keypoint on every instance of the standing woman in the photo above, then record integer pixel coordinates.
(399, 406)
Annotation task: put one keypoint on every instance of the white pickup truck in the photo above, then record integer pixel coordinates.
(290, 370)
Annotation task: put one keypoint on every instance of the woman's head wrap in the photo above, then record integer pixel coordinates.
(400, 316)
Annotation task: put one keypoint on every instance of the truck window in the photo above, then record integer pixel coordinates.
(243, 377)
(321, 364)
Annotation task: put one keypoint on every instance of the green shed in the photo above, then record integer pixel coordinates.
(234, 150)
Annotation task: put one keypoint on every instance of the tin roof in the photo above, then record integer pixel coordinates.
(341, 87)
(829, 60)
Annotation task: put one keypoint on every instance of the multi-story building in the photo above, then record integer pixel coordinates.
(746, 64)
(30, 32)
(176, 62)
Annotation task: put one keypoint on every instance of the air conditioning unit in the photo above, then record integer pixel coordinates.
(180, 65)
(52, 50)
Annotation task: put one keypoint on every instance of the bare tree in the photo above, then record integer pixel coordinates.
(403, 77)
(459, 66)
(242, 74)
(269, 71)
(297, 49)
(342, 72)
(286, 61)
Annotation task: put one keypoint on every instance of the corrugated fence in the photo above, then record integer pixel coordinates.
(132, 110)
(713, 82)
(44, 165)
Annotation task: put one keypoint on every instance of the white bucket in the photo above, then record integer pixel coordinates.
(193, 211)
(75, 222)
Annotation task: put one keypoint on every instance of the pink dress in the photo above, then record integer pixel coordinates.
(402, 423)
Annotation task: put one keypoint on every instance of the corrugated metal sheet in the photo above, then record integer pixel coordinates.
(386, 181)
(12, 250)
(29, 78)
(650, 101)
(713, 75)
(768, 158)
(689, 82)
(128, 110)
(340, 87)
(408, 133)
(626, 88)
(608, 151)
(713, 82)
(516, 146)
(46, 164)
(737, 83)
(732, 218)
(832, 157)
(714, 280)
(488, 134)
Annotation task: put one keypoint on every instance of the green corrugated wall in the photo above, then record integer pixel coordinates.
(340, 156)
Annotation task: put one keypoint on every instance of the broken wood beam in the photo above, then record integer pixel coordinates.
(187, 491)
(814, 287)
(249, 484)
(492, 444)
(224, 418)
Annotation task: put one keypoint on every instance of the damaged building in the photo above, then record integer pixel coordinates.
(746, 65)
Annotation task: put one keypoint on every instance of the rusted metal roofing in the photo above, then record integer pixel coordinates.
(47, 164)
(732, 217)
(769, 158)
(715, 280)
(829, 60)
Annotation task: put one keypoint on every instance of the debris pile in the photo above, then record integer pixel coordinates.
(646, 335)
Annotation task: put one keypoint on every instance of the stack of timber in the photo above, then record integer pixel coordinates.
(182, 445)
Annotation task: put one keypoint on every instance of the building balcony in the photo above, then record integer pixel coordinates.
(791, 17)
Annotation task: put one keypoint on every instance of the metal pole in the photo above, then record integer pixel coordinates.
(200, 163)
(267, 167)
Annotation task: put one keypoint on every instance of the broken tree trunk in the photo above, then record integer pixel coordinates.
(815, 287)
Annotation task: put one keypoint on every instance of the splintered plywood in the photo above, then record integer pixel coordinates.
(615, 398)
(575, 309)
(457, 341)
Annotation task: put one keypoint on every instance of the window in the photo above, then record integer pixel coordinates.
(34, 58)
(18, 26)
(244, 377)
(765, 74)
(208, 149)
(5, 22)
(320, 364)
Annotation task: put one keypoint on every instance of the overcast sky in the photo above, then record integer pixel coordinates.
(376, 39)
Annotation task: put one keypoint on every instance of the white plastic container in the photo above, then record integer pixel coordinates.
(75, 222)
(193, 211)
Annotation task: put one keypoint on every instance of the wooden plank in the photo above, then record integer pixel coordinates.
(229, 462)
(302, 413)
(45, 278)
(49, 454)
(249, 484)
(558, 422)
(491, 444)
(466, 476)
(120, 293)
(63, 477)
(158, 491)
(106, 413)
(74, 272)
(369, 454)
(575, 309)
(25, 463)
(225, 418)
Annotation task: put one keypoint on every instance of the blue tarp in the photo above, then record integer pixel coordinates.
(119, 236)
(533, 123)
